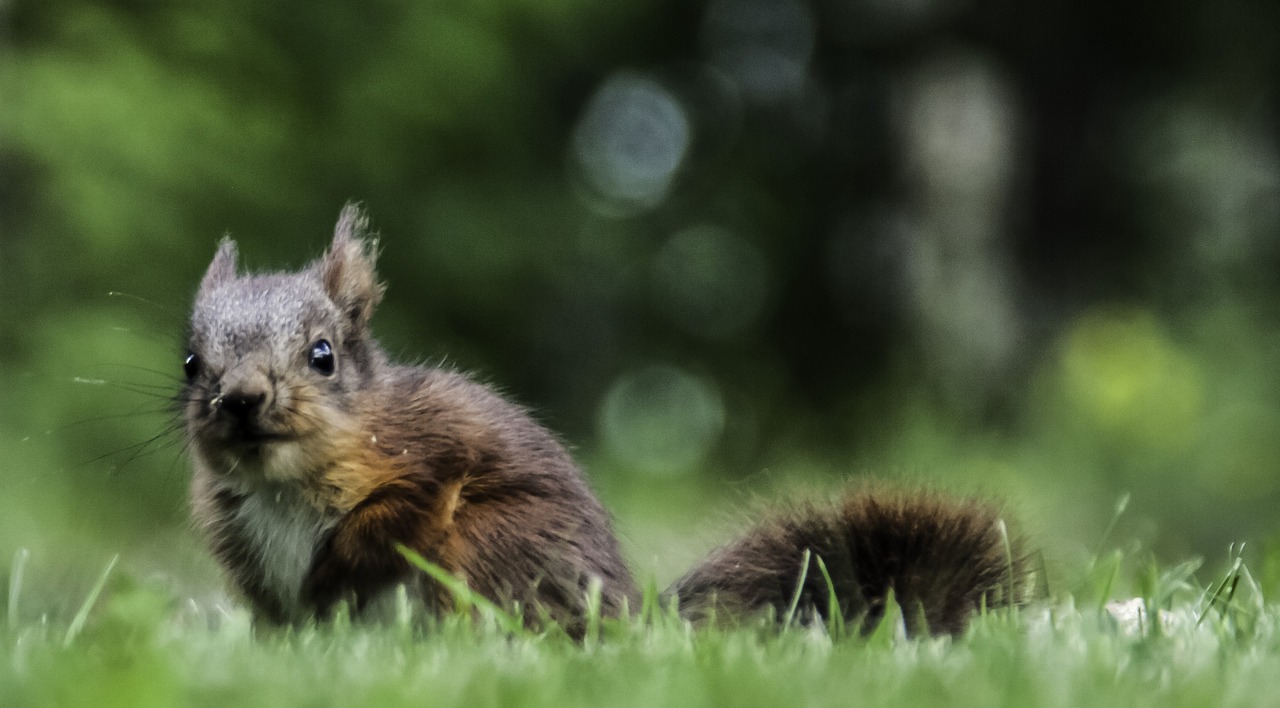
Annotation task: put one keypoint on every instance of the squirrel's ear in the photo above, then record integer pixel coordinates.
(223, 267)
(347, 269)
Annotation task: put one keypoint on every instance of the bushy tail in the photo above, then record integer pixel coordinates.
(942, 557)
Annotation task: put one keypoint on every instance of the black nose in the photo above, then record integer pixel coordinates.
(243, 406)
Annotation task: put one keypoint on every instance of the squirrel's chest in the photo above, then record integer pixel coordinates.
(282, 533)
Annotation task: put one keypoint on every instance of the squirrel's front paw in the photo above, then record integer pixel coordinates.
(356, 575)
(329, 581)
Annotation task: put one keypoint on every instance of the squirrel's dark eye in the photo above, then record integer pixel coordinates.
(191, 366)
(321, 357)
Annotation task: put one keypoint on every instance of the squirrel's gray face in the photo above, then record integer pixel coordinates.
(274, 361)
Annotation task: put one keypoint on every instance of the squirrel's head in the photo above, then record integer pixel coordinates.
(275, 361)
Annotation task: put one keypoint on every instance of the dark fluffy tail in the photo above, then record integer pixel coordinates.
(942, 557)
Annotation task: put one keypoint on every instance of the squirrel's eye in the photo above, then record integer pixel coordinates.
(191, 366)
(321, 357)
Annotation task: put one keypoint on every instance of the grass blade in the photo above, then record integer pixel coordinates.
(835, 616)
(461, 592)
(594, 604)
(15, 584)
(1231, 580)
(892, 623)
(1121, 504)
(77, 624)
(795, 599)
(1008, 559)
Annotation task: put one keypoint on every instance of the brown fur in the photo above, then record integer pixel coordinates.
(942, 557)
(308, 474)
(480, 490)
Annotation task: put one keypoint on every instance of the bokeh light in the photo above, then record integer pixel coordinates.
(661, 420)
(764, 45)
(712, 282)
(1128, 379)
(630, 143)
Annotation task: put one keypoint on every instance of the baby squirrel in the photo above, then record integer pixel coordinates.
(314, 456)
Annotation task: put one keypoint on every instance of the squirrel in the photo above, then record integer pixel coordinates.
(315, 458)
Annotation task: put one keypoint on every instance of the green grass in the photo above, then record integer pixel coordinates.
(1183, 641)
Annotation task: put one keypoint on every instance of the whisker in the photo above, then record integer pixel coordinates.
(138, 447)
(167, 311)
(147, 334)
(167, 375)
(138, 298)
(136, 451)
(88, 381)
(154, 390)
(100, 418)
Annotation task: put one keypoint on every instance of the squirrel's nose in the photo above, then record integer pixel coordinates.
(243, 405)
(246, 392)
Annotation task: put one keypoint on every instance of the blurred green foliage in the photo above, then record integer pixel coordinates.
(726, 247)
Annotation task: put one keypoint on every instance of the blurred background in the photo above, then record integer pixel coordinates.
(734, 251)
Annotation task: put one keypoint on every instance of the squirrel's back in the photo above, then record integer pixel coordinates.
(315, 458)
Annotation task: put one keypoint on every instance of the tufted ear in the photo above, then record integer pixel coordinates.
(223, 267)
(347, 269)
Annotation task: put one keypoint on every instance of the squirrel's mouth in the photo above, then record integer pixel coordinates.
(261, 437)
(253, 438)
